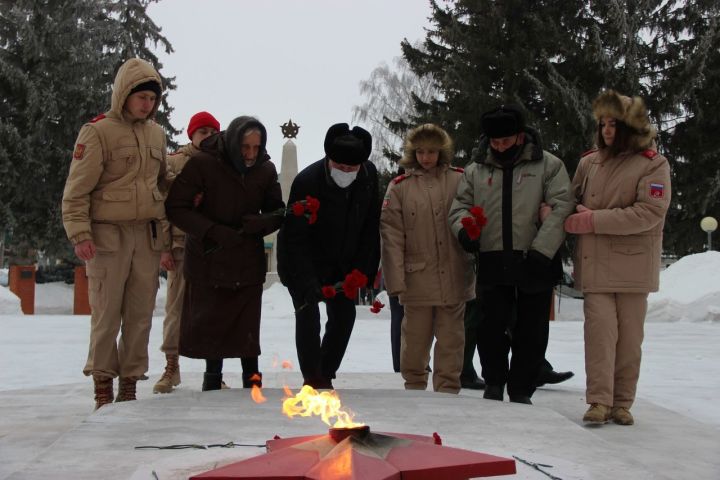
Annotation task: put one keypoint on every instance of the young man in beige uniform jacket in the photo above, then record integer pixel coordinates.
(201, 126)
(114, 215)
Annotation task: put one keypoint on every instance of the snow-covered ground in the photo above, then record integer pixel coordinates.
(44, 355)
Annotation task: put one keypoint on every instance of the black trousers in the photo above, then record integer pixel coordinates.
(515, 320)
(397, 312)
(319, 358)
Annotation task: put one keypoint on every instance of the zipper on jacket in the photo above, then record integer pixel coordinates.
(507, 188)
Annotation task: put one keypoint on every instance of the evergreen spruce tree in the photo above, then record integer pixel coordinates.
(53, 78)
(58, 59)
(139, 36)
(691, 89)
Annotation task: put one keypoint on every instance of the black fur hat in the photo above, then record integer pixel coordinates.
(350, 147)
(503, 121)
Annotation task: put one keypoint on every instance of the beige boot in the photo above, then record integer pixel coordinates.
(622, 416)
(103, 391)
(597, 414)
(171, 377)
(126, 389)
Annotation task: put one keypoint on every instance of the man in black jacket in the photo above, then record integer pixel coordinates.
(344, 237)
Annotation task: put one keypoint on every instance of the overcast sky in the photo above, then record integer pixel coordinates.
(281, 59)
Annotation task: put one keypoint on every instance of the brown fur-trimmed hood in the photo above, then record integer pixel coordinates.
(631, 111)
(427, 135)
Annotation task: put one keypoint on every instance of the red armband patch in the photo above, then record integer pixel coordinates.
(79, 151)
(585, 154)
(98, 118)
(457, 169)
(657, 190)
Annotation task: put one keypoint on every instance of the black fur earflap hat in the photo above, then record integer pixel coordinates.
(349, 147)
(503, 121)
(630, 111)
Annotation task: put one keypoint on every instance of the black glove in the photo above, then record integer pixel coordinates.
(470, 246)
(313, 294)
(537, 266)
(223, 236)
(254, 223)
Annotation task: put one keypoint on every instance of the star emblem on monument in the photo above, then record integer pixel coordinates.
(290, 129)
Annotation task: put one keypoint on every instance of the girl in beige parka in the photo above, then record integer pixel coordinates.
(623, 194)
(424, 264)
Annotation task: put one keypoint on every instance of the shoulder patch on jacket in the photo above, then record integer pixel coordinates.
(400, 178)
(98, 118)
(585, 154)
(79, 151)
(649, 153)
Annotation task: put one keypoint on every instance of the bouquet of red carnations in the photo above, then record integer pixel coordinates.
(354, 281)
(307, 208)
(474, 224)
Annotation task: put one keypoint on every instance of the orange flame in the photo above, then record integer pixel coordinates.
(257, 395)
(326, 405)
(256, 392)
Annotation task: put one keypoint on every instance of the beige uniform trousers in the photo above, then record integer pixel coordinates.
(173, 305)
(613, 338)
(419, 326)
(123, 283)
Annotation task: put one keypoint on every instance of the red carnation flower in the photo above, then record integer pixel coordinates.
(479, 214)
(298, 209)
(377, 306)
(353, 281)
(312, 204)
(328, 291)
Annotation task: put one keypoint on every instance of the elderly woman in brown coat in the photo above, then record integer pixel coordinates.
(623, 194)
(226, 199)
(424, 264)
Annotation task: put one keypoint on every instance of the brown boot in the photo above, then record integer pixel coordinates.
(171, 377)
(597, 414)
(622, 416)
(126, 389)
(103, 391)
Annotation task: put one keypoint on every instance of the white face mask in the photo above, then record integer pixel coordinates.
(343, 179)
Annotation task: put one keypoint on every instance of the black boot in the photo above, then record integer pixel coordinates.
(520, 399)
(494, 392)
(212, 381)
(552, 377)
(472, 383)
(252, 379)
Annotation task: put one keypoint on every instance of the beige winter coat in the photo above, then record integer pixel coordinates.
(175, 163)
(422, 261)
(629, 196)
(118, 165)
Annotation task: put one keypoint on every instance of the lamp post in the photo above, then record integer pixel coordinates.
(709, 225)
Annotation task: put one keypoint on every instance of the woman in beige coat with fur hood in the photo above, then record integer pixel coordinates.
(423, 262)
(623, 194)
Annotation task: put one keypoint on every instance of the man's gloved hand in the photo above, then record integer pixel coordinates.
(313, 294)
(581, 222)
(255, 223)
(223, 236)
(536, 265)
(470, 246)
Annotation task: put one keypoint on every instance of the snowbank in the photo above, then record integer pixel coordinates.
(9, 303)
(689, 291)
